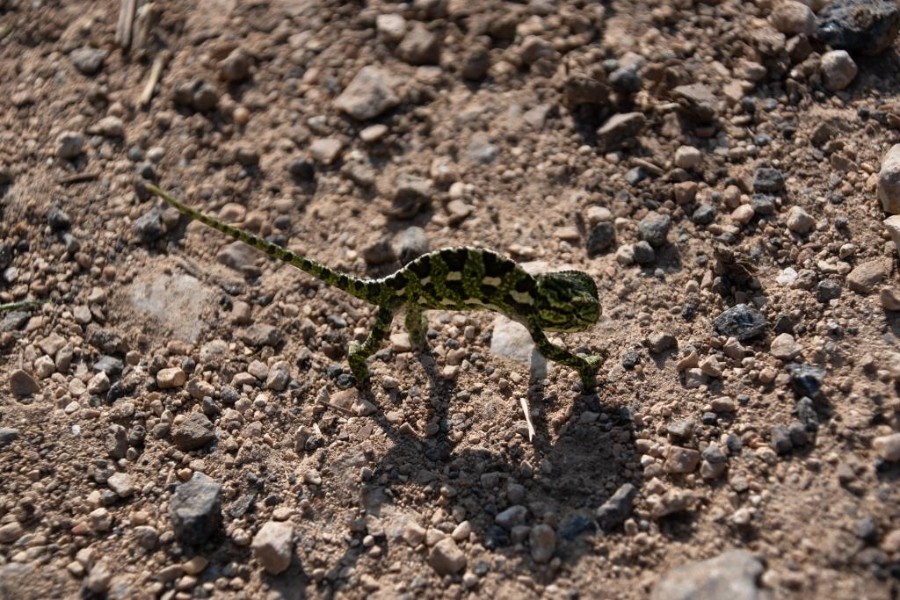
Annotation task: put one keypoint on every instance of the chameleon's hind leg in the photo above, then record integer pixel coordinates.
(359, 352)
(586, 366)
(416, 326)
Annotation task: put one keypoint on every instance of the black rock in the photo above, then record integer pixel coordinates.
(644, 254)
(806, 412)
(799, 434)
(630, 360)
(781, 439)
(625, 81)
(866, 529)
(859, 26)
(575, 525)
(828, 289)
(714, 455)
(614, 511)
(601, 239)
(807, 380)
(763, 204)
(768, 181)
(194, 432)
(302, 169)
(654, 228)
(7, 436)
(58, 219)
(704, 215)
(196, 509)
(740, 321)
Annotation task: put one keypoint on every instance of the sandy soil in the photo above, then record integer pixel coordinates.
(693, 157)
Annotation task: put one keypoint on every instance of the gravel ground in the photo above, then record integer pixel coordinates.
(177, 418)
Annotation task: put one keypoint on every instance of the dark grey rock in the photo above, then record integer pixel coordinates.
(7, 436)
(58, 219)
(194, 432)
(476, 62)
(575, 525)
(261, 334)
(781, 439)
(302, 170)
(15, 320)
(6, 174)
(88, 60)
(713, 454)
(581, 89)
(614, 511)
(630, 360)
(601, 239)
(196, 509)
(22, 384)
(734, 575)
(644, 254)
(807, 380)
(681, 429)
(704, 214)
(625, 81)
(768, 181)
(698, 101)
(763, 204)
(740, 321)
(620, 129)
(110, 365)
(806, 413)
(859, 26)
(799, 434)
(828, 289)
(866, 529)
(654, 228)
(148, 226)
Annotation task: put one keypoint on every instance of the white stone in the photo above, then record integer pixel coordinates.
(838, 70)
(889, 187)
(688, 157)
(887, 447)
(784, 347)
(800, 221)
(391, 26)
(792, 18)
(272, 546)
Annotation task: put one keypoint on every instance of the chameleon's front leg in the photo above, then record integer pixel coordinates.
(416, 326)
(586, 366)
(359, 352)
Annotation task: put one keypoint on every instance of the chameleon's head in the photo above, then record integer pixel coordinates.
(567, 301)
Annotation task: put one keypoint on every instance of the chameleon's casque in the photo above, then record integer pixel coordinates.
(450, 279)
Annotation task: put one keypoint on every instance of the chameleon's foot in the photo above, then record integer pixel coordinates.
(357, 359)
(588, 370)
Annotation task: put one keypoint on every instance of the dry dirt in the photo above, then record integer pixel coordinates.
(483, 130)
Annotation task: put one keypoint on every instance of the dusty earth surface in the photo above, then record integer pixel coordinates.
(177, 418)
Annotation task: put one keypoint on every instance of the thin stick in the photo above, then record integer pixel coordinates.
(126, 21)
(155, 71)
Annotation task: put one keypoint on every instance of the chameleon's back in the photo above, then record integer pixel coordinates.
(465, 279)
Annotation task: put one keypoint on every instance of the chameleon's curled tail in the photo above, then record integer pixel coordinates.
(361, 288)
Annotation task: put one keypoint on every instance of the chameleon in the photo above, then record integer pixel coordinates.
(456, 278)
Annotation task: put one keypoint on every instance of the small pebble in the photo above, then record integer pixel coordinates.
(838, 70)
(273, 546)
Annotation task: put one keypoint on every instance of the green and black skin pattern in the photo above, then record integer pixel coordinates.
(450, 279)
